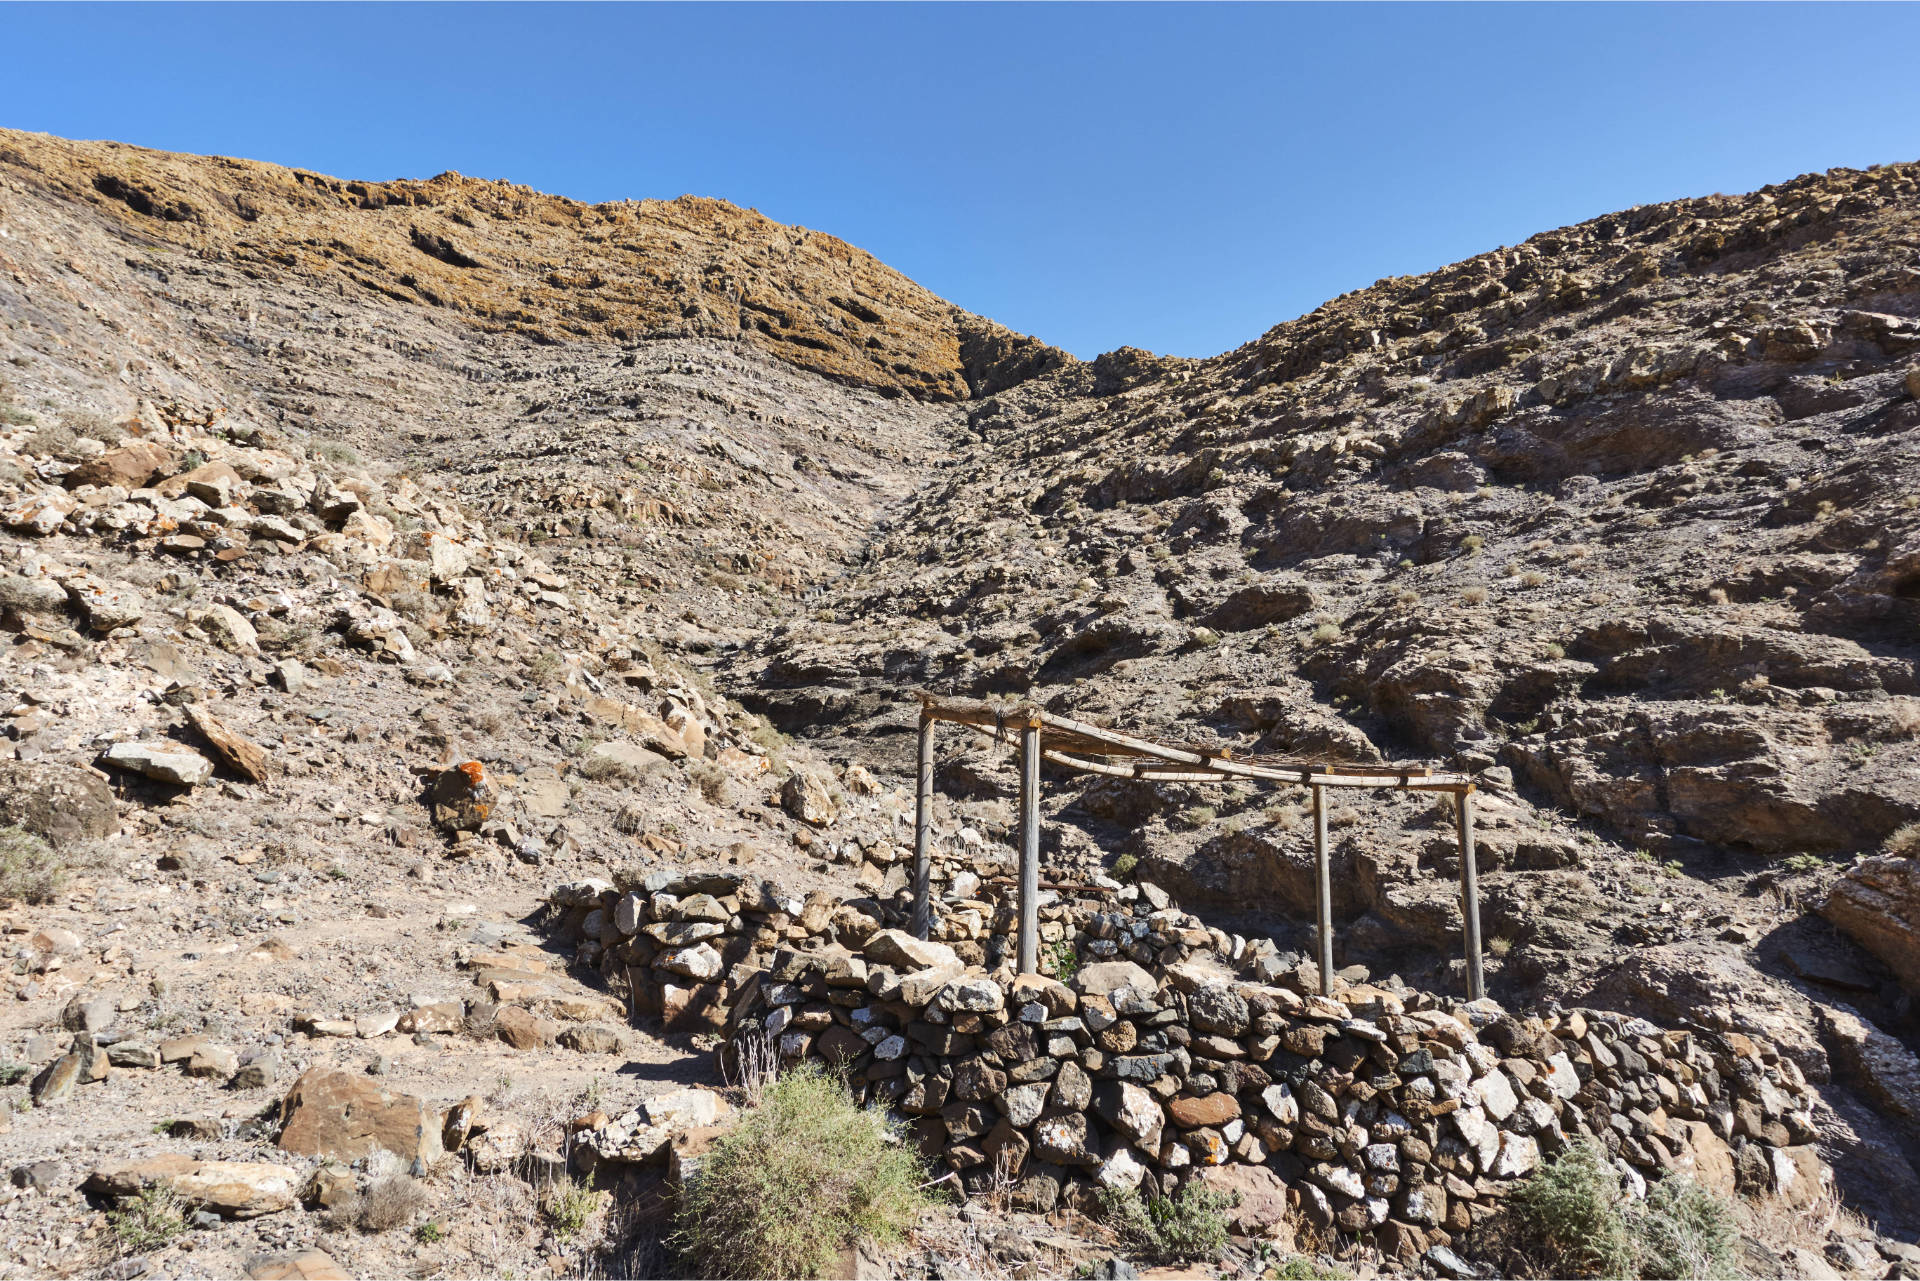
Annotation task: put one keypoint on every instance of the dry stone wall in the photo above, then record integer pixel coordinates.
(1175, 1051)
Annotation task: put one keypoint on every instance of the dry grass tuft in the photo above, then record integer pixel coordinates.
(388, 1203)
(30, 870)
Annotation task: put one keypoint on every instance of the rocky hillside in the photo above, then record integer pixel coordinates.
(378, 555)
(1626, 519)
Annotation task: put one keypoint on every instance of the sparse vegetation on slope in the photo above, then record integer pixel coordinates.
(1574, 1219)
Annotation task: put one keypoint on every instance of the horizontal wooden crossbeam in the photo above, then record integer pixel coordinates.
(1072, 743)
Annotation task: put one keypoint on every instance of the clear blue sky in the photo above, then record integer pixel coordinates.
(1176, 178)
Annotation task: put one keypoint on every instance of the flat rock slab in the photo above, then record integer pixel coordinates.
(307, 1265)
(231, 1189)
(180, 766)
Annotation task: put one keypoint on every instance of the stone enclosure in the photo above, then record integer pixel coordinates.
(1168, 1051)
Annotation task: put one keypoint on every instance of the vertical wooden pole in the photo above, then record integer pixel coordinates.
(923, 835)
(1470, 895)
(1323, 883)
(1030, 847)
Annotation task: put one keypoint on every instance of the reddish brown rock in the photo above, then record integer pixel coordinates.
(1262, 1196)
(344, 1115)
(242, 754)
(1190, 1113)
(129, 466)
(523, 1030)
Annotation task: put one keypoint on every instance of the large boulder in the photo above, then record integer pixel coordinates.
(345, 1116)
(806, 796)
(61, 803)
(1879, 1066)
(1878, 903)
(131, 466)
(1259, 1195)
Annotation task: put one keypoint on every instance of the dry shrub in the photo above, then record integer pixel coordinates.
(52, 441)
(388, 1203)
(89, 422)
(1905, 842)
(713, 782)
(607, 769)
(1573, 1219)
(148, 1221)
(1474, 596)
(1781, 1228)
(29, 868)
(1191, 1224)
(754, 1063)
(804, 1175)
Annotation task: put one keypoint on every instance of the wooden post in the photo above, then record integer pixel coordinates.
(1030, 847)
(1470, 895)
(1323, 882)
(923, 835)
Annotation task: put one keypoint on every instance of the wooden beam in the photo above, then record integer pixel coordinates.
(1030, 848)
(1066, 742)
(1211, 773)
(923, 835)
(1469, 896)
(1323, 890)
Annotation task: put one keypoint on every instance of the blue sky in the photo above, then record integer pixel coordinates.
(1178, 178)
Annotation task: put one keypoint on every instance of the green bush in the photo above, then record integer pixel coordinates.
(1189, 1225)
(1061, 960)
(1574, 1220)
(568, 1208)
(1571, 1214)
(1684, 1231)
(804, 1175)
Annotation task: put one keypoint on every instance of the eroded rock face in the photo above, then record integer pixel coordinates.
(345, 1116)
(1877, 902)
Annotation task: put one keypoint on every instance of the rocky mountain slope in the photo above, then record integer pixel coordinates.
(378, 478)
(1624, 518)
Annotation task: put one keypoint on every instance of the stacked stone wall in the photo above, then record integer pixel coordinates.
(1173, 1051)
